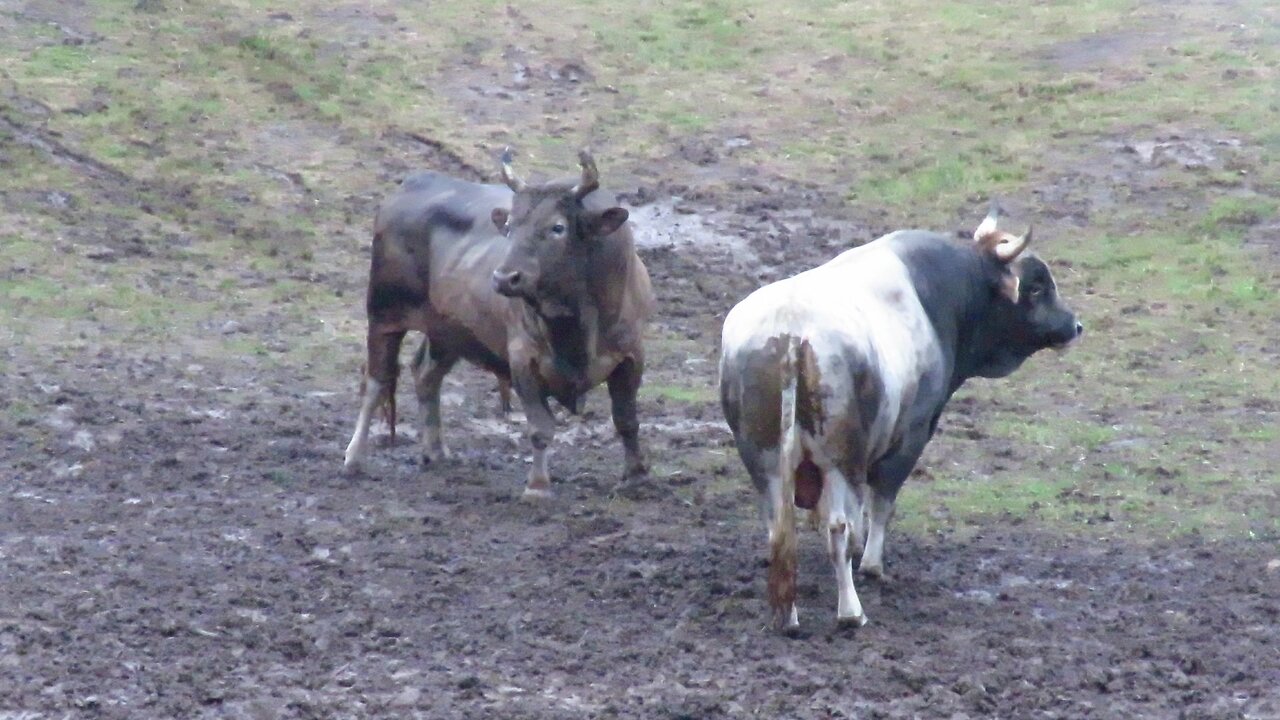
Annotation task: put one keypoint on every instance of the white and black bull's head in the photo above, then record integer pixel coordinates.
(555, 233)
(1028, 316)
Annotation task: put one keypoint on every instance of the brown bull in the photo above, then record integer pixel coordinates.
(539, 284)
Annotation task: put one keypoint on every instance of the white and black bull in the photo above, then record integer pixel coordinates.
(832, 381)
(538, 283)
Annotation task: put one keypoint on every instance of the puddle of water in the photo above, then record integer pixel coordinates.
(660, 225)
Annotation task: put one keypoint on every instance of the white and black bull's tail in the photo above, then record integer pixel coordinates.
(782, 540)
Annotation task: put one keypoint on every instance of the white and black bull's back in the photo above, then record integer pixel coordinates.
(537, 283)
(832, 381)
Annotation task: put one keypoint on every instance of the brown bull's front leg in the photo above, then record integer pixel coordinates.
(624, 384)
(541, 430)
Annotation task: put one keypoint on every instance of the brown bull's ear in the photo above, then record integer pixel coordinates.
(605, 223)
(499, 216)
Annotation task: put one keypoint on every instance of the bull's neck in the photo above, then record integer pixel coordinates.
(569, 337)
(607, 280)
(958, 302)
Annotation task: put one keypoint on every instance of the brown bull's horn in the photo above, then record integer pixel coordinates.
(590, 176)
(509, 176)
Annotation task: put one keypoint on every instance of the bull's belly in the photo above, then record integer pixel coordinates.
(454, 338)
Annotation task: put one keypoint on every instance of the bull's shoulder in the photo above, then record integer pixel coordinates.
(422, 179)
(428, 200)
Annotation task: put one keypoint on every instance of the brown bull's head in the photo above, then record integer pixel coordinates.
(554, 229)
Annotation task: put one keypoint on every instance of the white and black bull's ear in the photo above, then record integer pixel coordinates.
(1009, 285)
(604, 223)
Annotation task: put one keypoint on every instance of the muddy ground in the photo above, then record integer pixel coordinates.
(177, 539)
(182, 544)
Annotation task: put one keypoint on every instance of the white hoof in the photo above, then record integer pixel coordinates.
(352, 465)
(533, 494)
(856, 621)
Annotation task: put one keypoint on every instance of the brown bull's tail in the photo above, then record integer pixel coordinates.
(782, 560)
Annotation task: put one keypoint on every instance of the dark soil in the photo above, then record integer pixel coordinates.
(177, 539)
(206, 558)
(179, 542)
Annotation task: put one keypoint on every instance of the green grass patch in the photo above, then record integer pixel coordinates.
(1232, 213)
(57, 61)
(939, 182)
(690, 395)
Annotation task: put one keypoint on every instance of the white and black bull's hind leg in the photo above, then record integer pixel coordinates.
(836, 515)
(790, 464)
(838, 509)
(886, 479)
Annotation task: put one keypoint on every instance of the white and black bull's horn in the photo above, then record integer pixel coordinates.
(509, 176)
(1003, 245)
(590, 176)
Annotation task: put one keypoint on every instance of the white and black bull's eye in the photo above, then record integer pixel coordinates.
(558, 229)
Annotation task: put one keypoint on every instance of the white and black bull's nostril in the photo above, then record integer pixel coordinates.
(1069, 338)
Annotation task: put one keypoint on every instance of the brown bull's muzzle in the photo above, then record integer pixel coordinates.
(511, 283)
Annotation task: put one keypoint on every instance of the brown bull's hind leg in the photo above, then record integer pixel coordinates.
(381, 371)
(504, 395)
(429, 368)
(624, 384)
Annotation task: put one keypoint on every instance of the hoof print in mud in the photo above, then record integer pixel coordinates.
(435, 458)
(638, 488)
